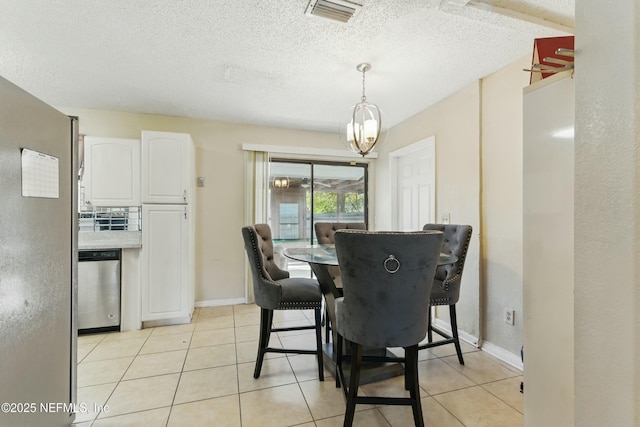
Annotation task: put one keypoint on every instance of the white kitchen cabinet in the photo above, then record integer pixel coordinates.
(111, 171)
(166, 263)
(166, 167)
(168, 236)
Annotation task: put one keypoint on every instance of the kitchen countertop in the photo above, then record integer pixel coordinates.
(109, 239)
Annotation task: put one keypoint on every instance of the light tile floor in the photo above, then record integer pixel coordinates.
(201, 374)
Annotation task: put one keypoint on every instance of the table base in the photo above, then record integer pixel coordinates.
(371, 371)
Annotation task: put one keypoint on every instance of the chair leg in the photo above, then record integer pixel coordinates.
(338, 357)
(327, 325)
(319, 353)
(266, 317)
(354, 381)
(429, 329)
(411, 379)
(454, 332)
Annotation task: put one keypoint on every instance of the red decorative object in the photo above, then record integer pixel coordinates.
(545, 55)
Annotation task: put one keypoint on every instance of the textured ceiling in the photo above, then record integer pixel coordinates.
(263, 61)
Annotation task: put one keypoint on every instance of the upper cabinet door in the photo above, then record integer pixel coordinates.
(166, 167)
(112, 171)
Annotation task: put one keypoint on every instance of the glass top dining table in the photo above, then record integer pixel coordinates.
(326, 254)
(324, 263)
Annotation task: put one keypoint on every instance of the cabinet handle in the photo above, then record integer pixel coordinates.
(184, 196)
(185, 213)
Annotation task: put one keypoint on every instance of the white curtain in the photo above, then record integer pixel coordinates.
(256, 202)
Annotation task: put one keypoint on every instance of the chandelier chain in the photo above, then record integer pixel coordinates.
(364, 97)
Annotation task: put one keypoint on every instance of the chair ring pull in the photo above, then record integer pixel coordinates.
(391, 264)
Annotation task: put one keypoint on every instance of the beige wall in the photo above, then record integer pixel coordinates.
(220, 204)
(502, 203)
(455, 123)
(478, 133)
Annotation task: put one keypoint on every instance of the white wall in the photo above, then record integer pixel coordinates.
(220, 204)
(607, 212)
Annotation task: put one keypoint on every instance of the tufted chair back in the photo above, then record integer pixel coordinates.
(275, 290)
(386, 277)
(446, 286)
(259, 246)
(326, 230)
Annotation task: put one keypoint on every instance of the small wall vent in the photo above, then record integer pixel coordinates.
(336, 10)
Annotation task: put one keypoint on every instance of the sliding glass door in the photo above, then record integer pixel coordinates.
(339, 194)
(302, 193)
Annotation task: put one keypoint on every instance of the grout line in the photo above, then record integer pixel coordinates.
(121, 377)
(175, 393)
(235, 345)
(301, 391)
(498, 397)
(447, 410)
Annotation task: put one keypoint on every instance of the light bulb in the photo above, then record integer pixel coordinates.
(370, 130)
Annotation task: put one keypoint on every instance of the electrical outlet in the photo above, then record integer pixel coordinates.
(445, 218)
(509, 316)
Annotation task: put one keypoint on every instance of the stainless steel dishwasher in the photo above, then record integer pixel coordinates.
(98, 290)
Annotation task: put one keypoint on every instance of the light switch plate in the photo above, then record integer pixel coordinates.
(201, 181)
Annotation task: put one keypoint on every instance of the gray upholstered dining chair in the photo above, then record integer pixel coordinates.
(386, 279)
(275, 290)
(446, 286)
(324, 236)
(326, 230)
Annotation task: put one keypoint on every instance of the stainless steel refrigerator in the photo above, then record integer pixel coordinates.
(38, 261)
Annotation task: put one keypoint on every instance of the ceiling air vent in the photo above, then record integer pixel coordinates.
(337, 10)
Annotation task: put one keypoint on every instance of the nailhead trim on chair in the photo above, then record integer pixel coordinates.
(256, 252)
(445, 284)
(297, 305)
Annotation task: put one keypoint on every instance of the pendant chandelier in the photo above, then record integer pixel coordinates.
(363, 128)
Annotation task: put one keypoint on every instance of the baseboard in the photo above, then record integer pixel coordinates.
(464, 336)
(220, 302)
(166, 322)
(492, 349)
(504, 355)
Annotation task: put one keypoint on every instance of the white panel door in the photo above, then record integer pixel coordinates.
(413, 184)
(166, 167)
(166, 289)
